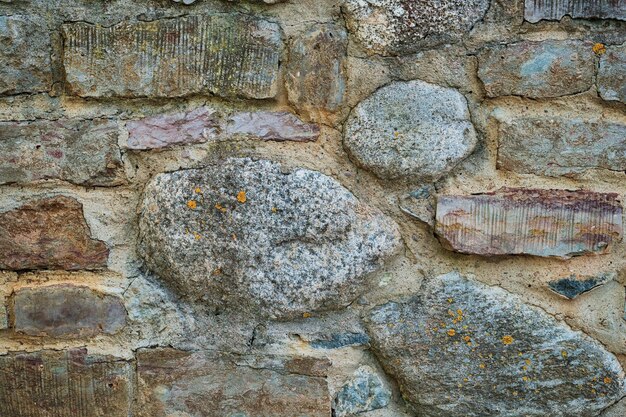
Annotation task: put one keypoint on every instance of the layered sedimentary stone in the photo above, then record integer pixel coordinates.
(173, 382)
(460, 347)
(83, 152)
(612, 73)
(228, 55)
(257, 237)
(25, 55)
(561, 145)
(392, 27)
(525, 221)
(410, 130)
(65, 383)
(266, 125)
(66, 311)
(537, 69)
(536, 10)
(50, 233)
(574, 285)
(365, 391)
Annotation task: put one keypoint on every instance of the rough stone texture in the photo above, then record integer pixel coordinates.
(420, 204)
(67, 311)
(227, 55)
(537, 69)
(410, 130)
(266, 125)
(612, 74)
(83, 152)
(537, 10)
(316, 70)
(573, 286)
(563, 145)
(4, 317)
(339, 340)
(25, 55)
(49, 234)
(365, 391)
(66, 383)
(250, 235)
(463, 348)
(392, 27)
(617, 410)
(196, 384)
(525, 221)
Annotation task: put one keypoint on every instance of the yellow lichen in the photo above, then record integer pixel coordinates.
(241, 196)
(482, 366)
(198, 190)
(451, 332)
(466, 338)
(192, 204)
(507, 340)
(564, 353)
(607, 380)
(274, 209)
(599, 48)
(450, 300)
(306, 315)
(197, 235)
(220, 208)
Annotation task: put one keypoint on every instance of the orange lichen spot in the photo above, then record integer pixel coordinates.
(564, 353)
(450, 300)
(466, 338)
(524, 368)
(274, 209)
(306, 315)
(454, 321)
(442, 324)
(197, 236)
(217, 271)
(607, 380)
(192, 204)
(515, 393)
(528, 361)
(234, 236)
(450, 313)
(241, 197)
(220, 207)
(465, 379)
(451, 332)
(482, 366)
(507, 340)
(525, 379)
(599, 48)
(198, 190)
(435, 329)
(459, 312)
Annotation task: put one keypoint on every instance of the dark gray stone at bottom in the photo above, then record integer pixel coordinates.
(571, 287)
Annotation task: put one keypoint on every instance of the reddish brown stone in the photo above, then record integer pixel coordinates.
(537, 10)
(49, 234)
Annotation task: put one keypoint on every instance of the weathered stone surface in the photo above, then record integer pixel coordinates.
(49, 234)
(410, 130)
(196, 384)
(612, 73)
(617, 410)
(573, 286)
(564, 145)
(365, 391)
(460, 347)
(339, 340)
(525, 221)
(83, 152)
(4, 317)
(64, 384)
(420, 204)
(537, 10)
(266, 125)
(228, 55)
(316, 73)
(253, 236)
(25, 55)
(537, 69)
(67, 311)
(391, 27)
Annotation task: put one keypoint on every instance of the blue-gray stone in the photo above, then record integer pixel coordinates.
(365, 391)
(571, 287)
(340, 340)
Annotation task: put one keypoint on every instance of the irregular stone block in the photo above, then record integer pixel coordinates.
(616, 410)
(25, 55)
(534, 222)
(49, 234)
(184, 383)
(573, 286)
(66, 311)
(612, 74)
(365, 391)
(420, 204)
(556, 146)
(339, 340)
(265, 125)
(65, 383)
(4, 317)
(410, 130)
(82, 152)
(393, 27)
(537, 69)
(462, 348)
(227, 55)
(537, 10)
(256, 237)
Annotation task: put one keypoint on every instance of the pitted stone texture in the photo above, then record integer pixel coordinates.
(395, 27)
(561, 145)
(270, 125)
(574, 285)
(228, 55)
(410, 130)
(365, 391)
(260, 239)
(461, 348)
(513, 221)
(25, 55)
(82, 152)
(537, 10)
(65, 384)
(49, 234)
(537, 69)
(612, 73)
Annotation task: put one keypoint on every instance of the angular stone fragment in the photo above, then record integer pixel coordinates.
(256, 237)
(227, 55)
(365, 391)
(461, 348)
(339, 340)
(573, 286)
(556, 145)
(197, 384)
(266, 125)
(537, 69)
(537, 10)
(49, 234)
(612, 73)
(65, 383)
(420, 204)
(410, 130)
(67, 311)
(83, 152)
(4, 317)
(512, 221)
(392, 27)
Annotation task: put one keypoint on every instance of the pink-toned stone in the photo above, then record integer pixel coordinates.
(278, 126)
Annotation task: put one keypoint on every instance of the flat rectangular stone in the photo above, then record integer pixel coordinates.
(68, 383)
(612, 73)
(227, 55)
(555, 223)
(536, 10)
(4, 317)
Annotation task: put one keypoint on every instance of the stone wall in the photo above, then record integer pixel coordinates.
(313, 208)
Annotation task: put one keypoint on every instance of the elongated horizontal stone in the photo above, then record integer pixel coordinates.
(612, 74)
(227, 55)
(537, 10)
(535, 222)
(561, 145)
(276, 126)
(574, 285)
(67, 383)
